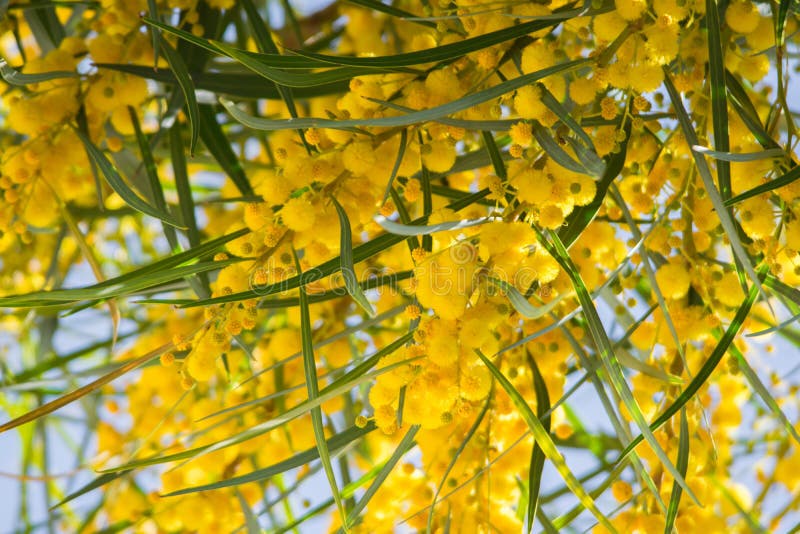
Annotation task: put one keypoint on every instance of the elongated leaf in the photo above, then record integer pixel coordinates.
(220, 147)
(537, 453)
(494, 154)
(719, 101)
(454, 50)
(610, 362)
(375, 5)
(184, 79)
(581, 216)
(705, 371)
(522, 305)
(430, 114)
(758, 386)
(405, 445)
(415, 230)
(682, 464)
(14, 77)
(346, 257)
(81, 392)
(312, 385)
(771, 153)
(98, 482)
(543, 440)
(118, 184)
(243, 85)
(251, 522)
(333, 443)
(788, 178)
(148, 276)
(455, 457)
(708, 182)
(555, 152)
(156, 190)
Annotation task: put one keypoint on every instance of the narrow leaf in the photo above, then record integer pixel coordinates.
(118, 184)
(543, 440)
(346, 257)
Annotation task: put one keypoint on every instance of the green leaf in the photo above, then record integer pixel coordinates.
(118, 184)
(771, 153)
(537, 453)
(250, 520)
(333, 443)
(413, 118)
(455, 457)
(494, 154)
(726, 220)
(543, 440)
(427, 229)
(705, 371)
(521, 304)
(554, 150)
(455, 50)
(310, 370)
(243, 85)
(151, 275)
(405, 445)
(606, 353)
(776, 183)
(762, 391)
(184, 79)
(14, 77)
(393, 11)
(346, 258)
(581, 216)
(220, 147)
(151, 170)
(719, 101)
(682, 464)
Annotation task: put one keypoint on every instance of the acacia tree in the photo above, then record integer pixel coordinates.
(433, 266)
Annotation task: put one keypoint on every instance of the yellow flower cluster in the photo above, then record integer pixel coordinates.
(471, 280)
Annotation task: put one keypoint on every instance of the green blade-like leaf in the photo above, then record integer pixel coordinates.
(405, 445)
(726, 220)
(705, 371)
(543, 439)
(184, 79)
(156, 273)
(581, 216)
(312, 385)
(537, 454)
(788, 178)
(393, 11)
(333, 443)
(416, 117)
(719, 100)
(521, 304)
(758, 386)
(682, 464)
(456, 50)
(494, 154)
(118, 184)
(427, 229)
(13, 77)
(243, 85)
(770, 153)
(346, 256)
(607, 356)
(220, 147)
(156, 191)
